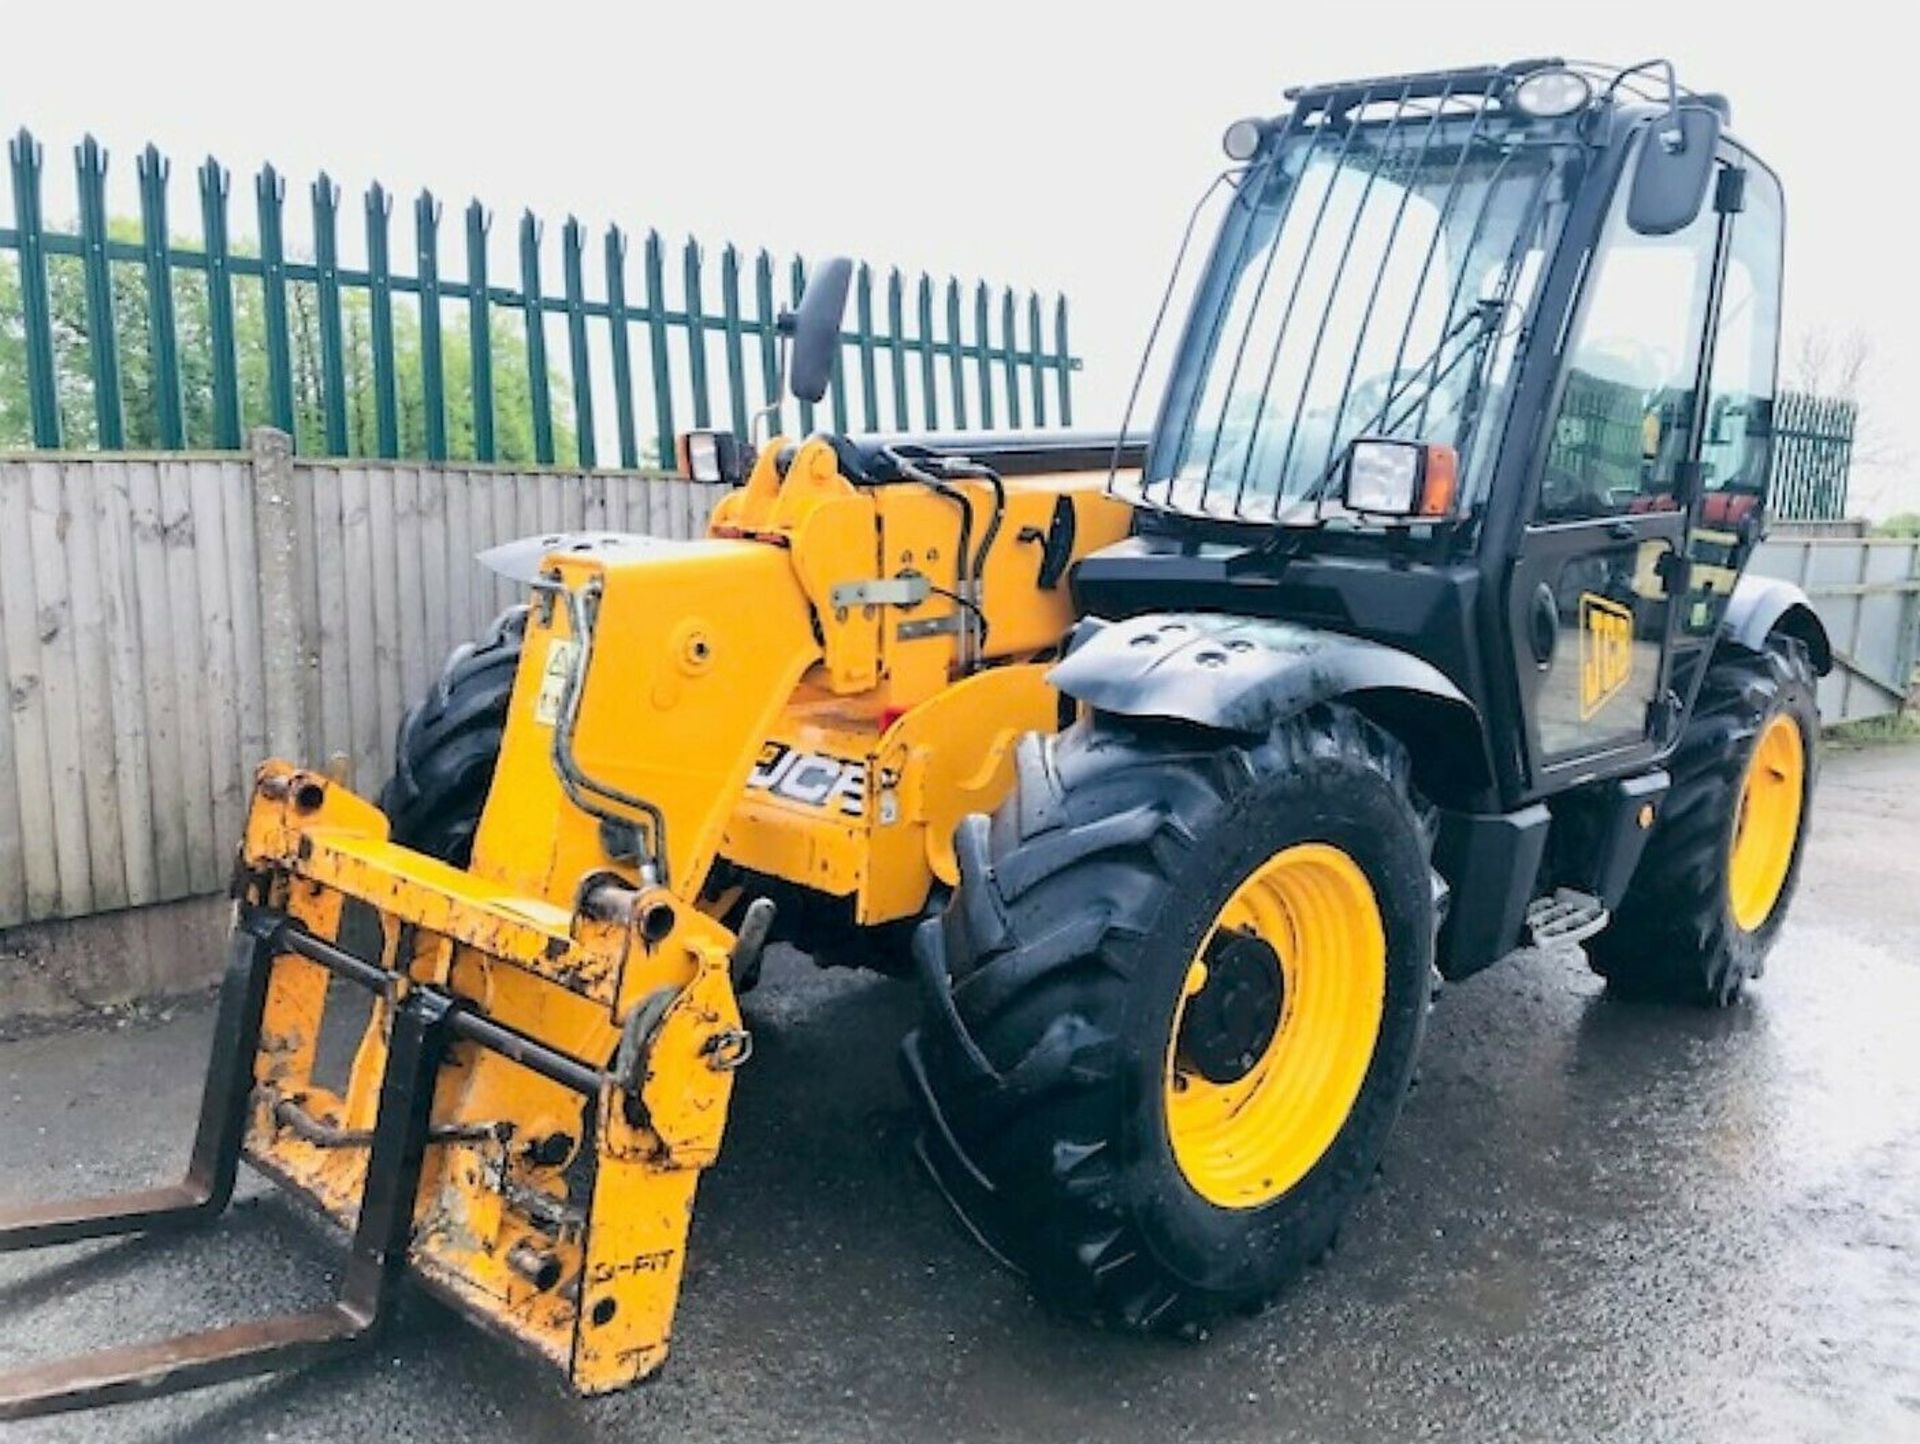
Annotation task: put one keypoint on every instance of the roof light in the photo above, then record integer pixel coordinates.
(1551, 94)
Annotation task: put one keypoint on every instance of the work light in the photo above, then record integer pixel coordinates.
(712, 456)
(1400, 478)
(1242, 140)
(1550, 94)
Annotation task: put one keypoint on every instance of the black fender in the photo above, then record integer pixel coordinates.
(1245, 674)
(1761, 606)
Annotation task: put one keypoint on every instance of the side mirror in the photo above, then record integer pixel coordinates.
(815, 328)
(1671, 176)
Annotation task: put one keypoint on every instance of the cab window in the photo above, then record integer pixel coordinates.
(1620, 427)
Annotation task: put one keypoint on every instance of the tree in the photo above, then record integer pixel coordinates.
(73, 365)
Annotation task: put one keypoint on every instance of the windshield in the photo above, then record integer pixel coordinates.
(1370, 279)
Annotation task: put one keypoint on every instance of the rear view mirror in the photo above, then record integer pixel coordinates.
(815, 328)
(1670, 177)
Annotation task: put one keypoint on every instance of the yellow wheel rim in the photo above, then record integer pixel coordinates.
(1768, 822)
(1242, 1141)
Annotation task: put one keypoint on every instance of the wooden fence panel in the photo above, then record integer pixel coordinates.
(26, 697)
(133, 640)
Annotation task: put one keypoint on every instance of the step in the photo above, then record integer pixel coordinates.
(1566, 917)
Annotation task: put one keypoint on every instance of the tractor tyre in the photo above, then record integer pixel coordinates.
(1712, 889)
(449, 743)
(1173, 1008)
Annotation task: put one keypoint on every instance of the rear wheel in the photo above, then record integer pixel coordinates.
(449, 744)
(1719, 872)
(1173, 1008)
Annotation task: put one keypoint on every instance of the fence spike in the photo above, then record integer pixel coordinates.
(733, 331)
(163, 335)
(433, 384)
(929, 393)
(1010, 356)
(618, 322)
(983, 350)
(270, 191)
(333, 362)
(572, 247)
(655, 265)
(1037, 373)
(215, 188)
(534, 311)
(897, 347)
(696, 334)
(869, 382)
(956, 363)
(35, 304)
(386, 405)
(480, 329)
(764, 323)
(90, 164)
(1063, 358)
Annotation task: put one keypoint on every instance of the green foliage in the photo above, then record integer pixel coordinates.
(73, 343)
(1901, 524)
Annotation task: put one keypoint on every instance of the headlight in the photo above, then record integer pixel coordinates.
(1550, 94)
(1400, 479)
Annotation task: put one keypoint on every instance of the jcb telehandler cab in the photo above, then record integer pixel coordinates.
(1417, 634)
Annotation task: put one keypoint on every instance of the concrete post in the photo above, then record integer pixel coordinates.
(286, 652)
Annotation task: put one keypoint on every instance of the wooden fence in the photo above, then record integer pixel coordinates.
(167, 620)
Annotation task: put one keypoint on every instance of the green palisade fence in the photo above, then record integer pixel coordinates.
(1812, 452)
(118, 333)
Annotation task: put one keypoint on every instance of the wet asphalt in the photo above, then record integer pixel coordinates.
(1597, 1221)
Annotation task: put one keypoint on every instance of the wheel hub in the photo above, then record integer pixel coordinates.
(1231, 1020)
(1275, 1027)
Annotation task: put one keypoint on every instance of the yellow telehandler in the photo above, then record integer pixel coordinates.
(1175, 773)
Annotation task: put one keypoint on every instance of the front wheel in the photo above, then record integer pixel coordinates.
(1173, 1009)
(1712, 889)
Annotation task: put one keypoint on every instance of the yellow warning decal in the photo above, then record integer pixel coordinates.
(1606, 651)
(562, 653)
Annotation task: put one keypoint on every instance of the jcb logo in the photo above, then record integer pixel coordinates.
(1606, 651)
(811, 778)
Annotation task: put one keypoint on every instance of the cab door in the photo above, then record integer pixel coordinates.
(1592, 600)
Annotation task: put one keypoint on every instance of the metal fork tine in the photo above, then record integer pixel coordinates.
(422, 1027)
(168, 1366)
(216, 1145)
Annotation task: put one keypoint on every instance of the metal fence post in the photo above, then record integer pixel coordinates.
(215, 186)
(433, 383)
(163, 334)
(622, 343)
(480, 330)
(90, 163)
(386, 404)
(1063, 358)
(573, 241)
(36, 311)
(285, 649)
(271, 192)
(541, 395)
(333, 354)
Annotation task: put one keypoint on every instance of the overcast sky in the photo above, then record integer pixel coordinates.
(1050, 146)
